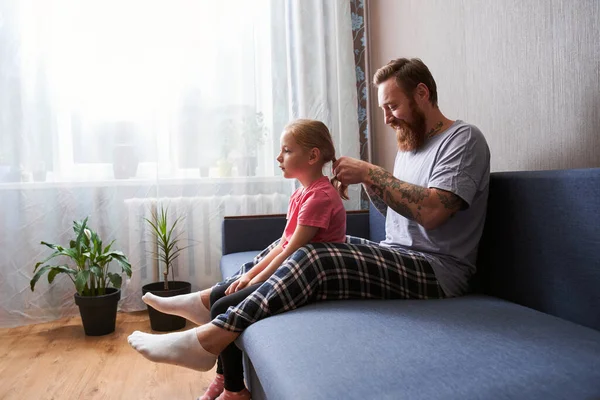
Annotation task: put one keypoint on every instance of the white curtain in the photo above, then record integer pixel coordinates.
(108, 108)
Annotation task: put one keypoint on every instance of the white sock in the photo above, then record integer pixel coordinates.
(188, 306)
(177, 348)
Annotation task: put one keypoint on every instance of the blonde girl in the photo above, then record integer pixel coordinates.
(315, 214)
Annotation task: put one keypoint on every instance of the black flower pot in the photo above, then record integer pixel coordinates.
(99, 313)
(166, 322)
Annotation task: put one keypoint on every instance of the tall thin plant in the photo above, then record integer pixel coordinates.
(167, 249)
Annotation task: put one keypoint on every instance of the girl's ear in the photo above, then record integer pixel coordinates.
(314, 155)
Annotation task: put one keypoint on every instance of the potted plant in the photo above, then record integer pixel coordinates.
(125, 158)
(166, 251)
(243, 131)
(98, 290)
(252, 133)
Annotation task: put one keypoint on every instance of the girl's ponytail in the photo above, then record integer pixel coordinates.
(340, 187)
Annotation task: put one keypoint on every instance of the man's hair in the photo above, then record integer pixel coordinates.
(310, 133)
(408, 73)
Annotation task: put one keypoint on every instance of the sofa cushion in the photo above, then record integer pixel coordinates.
(376, 224)
(231, 263)
(541, 241)
(474, 347)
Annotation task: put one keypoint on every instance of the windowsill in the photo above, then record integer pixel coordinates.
(141, 182)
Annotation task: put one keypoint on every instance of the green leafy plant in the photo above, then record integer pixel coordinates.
(167, 249)
(243, 129)
(90, 274)
(252, 130)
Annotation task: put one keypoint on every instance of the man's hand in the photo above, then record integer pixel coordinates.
(349, 170)
(241, 283)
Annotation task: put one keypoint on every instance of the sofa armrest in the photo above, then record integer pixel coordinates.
(248, 233)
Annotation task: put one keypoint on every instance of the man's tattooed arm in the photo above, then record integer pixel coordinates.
(451, 201)
(376, 197)
(430, 207)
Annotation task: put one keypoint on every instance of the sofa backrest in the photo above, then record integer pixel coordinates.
(541, 242)
(376, 224)
(244, 233)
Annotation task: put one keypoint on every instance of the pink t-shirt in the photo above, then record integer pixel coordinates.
(318, 205)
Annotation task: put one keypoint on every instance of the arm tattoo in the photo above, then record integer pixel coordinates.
(404, 209)
(387, 185)
(451, 201)
(376, 197)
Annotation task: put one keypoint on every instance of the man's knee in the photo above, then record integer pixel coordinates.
(302, 253)
(306, 254)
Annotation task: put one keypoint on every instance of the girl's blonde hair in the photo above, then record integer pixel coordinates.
(309, 134)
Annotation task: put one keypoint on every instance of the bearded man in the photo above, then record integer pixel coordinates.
(435, 201)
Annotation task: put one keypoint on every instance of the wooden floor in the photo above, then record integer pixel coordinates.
(57, 361)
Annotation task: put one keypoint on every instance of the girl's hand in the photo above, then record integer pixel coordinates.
(256, 279)
(241, 283)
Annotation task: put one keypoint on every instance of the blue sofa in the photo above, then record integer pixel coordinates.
(530, 329)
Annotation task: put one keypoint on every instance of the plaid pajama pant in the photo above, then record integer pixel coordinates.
(357, 269)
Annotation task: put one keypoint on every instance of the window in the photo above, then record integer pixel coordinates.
(161, 86)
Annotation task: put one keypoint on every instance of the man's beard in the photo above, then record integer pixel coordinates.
(411, 136)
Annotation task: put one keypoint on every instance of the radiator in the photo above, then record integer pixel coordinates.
(199, 233)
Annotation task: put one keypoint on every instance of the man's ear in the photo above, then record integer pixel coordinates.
(314, 155)
(422, 92)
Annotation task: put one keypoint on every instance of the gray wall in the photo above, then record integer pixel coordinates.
(526, 72)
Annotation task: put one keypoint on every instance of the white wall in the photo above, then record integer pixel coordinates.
(526, 72)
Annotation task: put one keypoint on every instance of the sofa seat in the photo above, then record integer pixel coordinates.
(231, 263)
(476, 347)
